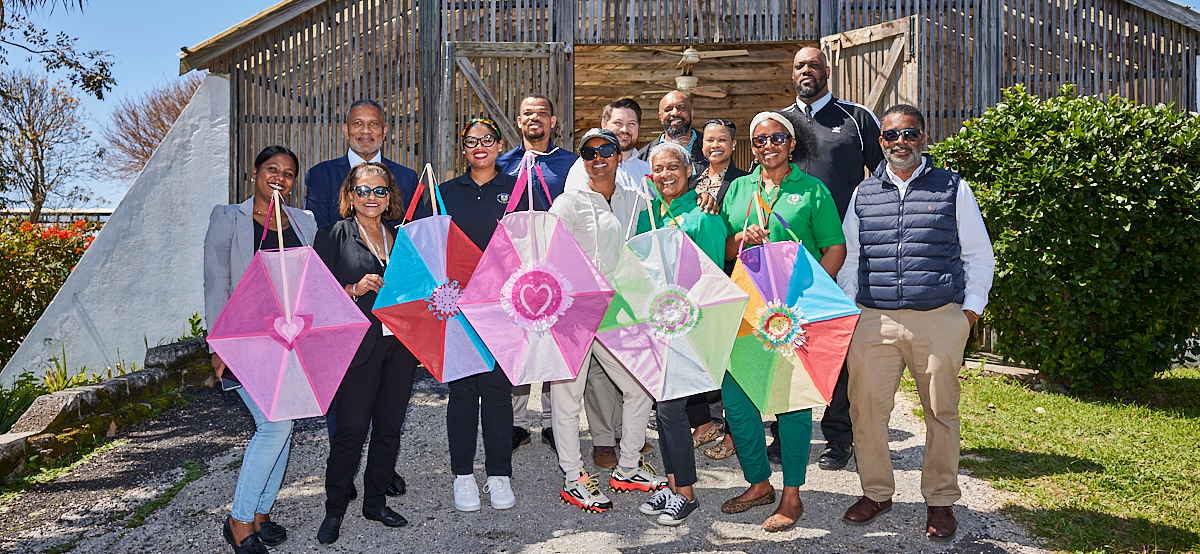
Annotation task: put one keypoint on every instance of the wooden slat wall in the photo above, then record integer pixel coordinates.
(695, 21)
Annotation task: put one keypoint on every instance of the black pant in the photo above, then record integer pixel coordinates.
(374, 395)
(675, 441)
(835, 424)
(491, 394)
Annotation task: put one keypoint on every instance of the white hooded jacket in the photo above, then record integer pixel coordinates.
(599, 226)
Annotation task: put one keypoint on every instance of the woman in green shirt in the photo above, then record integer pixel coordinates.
(751, 211)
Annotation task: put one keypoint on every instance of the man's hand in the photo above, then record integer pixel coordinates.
(972, 317)
(708, 204)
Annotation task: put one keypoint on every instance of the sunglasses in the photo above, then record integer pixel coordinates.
(910, 135)
(364, 191)
(775, 138)
(605, 151)
(486, 140)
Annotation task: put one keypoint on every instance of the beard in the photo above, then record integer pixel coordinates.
(810, 91)
(535, 135)
(678, 130)
(903, 161)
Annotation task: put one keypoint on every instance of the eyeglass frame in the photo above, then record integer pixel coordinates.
(773, 138)
(590, 152)
(364, 191)
(479, 140)
(910, 134)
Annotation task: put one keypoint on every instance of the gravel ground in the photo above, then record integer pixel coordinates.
(88, 507)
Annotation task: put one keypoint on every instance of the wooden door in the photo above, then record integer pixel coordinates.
(498, 74)
(876, 66)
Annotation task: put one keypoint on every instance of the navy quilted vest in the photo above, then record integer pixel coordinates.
(909, 254)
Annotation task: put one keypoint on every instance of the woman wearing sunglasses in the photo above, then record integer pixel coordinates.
(806, 206)
(475, 201)
(375, 391)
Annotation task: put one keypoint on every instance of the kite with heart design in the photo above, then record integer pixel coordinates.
(432, 262)
(289, 331)
(535, 298)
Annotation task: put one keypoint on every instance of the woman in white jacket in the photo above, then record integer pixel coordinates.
(601, 216)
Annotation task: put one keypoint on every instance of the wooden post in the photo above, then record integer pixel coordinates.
(432, 91)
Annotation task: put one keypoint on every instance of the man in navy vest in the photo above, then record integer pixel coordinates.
(919, 263)
(365, 129)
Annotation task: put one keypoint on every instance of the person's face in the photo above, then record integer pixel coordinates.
(364, 130)
(535, 119)
(810, 73)
(369, 206)
(902, 153)
(599, 167)
(675, 114)
(771, 155)
(670, 175)
(623, 122)
(279, 171)
(717, 145)
(480, 156)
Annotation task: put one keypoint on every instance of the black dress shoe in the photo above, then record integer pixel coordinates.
(835, 456)
(330, 530)
(775, 452)
(398, 486)
(388, 517)
(520, 436)
(548, 438)
(271, 533)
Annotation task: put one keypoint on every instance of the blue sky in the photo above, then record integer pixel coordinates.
(144, 36)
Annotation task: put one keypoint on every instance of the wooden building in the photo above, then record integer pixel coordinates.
(294, 68)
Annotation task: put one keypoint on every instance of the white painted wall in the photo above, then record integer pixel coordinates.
(142, 277)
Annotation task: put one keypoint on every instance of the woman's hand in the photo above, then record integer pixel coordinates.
(707, 203)
(218, 365)
(754, 234)
(370, 282)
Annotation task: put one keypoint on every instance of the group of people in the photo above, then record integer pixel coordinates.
(907, 243)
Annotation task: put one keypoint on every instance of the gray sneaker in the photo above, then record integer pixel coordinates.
(678, 509)
(656, 503)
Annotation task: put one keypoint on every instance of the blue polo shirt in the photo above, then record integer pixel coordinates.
(556, 164)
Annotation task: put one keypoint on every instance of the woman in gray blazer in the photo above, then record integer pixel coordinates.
(235, 233)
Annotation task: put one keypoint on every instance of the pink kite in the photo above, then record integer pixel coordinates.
(536, 299)
(289, 332)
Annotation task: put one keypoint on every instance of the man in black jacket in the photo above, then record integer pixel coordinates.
(675, 114)
(848, 150)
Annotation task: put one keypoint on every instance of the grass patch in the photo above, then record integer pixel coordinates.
(194, 471)
(14, 489)
(1091, 474)
(60, 549)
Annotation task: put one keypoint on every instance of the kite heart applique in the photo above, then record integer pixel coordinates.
(535, 296)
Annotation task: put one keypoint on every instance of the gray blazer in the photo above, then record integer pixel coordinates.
(229, 248)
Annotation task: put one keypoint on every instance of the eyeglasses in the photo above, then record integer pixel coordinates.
(775, 138)
(605, 151)
(364, 191)
(486, 140)
(893, 135)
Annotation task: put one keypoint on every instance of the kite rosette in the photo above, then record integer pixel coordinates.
(288, 333)
(795, 332)
(673, 320)
(536, 299)
(431, 262)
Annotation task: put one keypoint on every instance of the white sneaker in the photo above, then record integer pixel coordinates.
(501, 492)
(466, 494)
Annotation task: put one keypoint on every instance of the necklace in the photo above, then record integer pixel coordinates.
(382, 259)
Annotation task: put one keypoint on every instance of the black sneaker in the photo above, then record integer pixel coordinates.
(678, 510)
(548, 438)
(835, 456)
(520, 436)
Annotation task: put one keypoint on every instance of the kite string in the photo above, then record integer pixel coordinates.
(276, 200)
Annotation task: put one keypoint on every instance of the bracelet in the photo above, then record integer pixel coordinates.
(354, 290)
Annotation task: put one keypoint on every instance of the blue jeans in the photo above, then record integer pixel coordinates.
(263, 464)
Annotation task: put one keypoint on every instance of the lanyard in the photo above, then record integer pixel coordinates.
(383, 261)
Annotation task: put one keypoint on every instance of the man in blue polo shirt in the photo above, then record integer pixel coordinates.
(536, 121)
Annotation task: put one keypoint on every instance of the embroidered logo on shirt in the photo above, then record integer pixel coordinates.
(793, 199)
(837, 129)
(502, 197)
(676, 222)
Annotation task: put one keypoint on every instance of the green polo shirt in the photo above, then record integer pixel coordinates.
(706, 229)
(803, 202)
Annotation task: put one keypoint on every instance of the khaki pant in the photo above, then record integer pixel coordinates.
(523, 417)
(602, 403)
(566, 397)
(931, 345)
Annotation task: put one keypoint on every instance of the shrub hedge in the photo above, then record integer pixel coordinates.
(1093, 207)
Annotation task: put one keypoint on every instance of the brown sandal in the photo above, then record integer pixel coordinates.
(720, 451)
(710, 435)
(734, 506)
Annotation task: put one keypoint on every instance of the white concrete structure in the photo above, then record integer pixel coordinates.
(142, 276)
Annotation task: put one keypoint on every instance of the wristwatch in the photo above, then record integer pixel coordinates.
(972, 312)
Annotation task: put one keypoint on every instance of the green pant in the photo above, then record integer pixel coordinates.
(795, 434)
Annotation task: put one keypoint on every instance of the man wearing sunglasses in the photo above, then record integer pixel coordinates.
(847, 150)
(536, 121)
(365, 130)
(920, 266)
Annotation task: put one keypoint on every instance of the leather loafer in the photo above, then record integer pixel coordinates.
(941, 525)
(271, 533)
(604, 456)
(250, 545)
(520, 436)
(330, 530)
(398, 486)
(866, 510)
(388, 517)
(835, 456)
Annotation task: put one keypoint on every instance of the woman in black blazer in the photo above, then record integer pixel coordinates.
(375, 391)
(718, 146)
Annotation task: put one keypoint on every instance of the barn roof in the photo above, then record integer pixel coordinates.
(201, 55)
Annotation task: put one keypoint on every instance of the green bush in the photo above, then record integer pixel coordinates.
(1094, 212)
(35, 260)
(15, 399)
